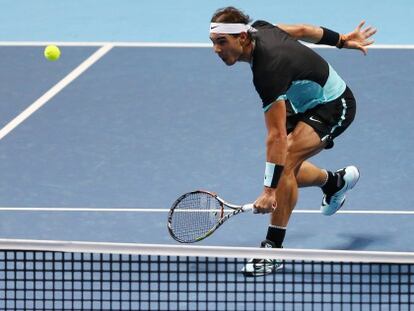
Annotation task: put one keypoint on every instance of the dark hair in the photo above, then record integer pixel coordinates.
(230, 15)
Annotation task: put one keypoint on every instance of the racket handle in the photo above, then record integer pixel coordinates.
(248, 208)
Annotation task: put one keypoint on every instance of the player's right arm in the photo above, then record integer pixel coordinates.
(276, 151)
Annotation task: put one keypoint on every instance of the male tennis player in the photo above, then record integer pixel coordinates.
(306, 106)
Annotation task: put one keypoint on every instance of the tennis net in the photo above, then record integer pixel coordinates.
(60, 275)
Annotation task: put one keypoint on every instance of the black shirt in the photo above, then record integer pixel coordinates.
(283, 68)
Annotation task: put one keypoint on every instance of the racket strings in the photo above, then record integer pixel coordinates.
(195, 215)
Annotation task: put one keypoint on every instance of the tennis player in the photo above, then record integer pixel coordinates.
(306, 106)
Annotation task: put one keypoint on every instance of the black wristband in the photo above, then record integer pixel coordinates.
(329, 37)
(341, 43)
(272, 174)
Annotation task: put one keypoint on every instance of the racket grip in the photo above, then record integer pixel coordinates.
(249, 207)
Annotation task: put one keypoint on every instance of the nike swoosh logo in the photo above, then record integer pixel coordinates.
(213, 27)
(313, 119)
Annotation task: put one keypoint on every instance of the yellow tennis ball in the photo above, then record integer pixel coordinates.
(52, 53)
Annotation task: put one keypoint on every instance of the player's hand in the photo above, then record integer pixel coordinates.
(359, 39)
(266, 202)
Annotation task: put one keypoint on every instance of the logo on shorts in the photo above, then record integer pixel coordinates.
(312, 118)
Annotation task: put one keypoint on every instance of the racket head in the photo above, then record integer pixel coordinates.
(194, 216)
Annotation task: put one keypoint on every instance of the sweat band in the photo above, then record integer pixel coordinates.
(230, 28)
(342, 40)
(329, 37)
(272, 174)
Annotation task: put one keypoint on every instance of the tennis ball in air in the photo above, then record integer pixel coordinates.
(52, 53)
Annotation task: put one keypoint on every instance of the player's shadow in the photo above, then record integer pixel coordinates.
(357, 242)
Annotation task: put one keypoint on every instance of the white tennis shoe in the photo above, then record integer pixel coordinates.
(260, 267)
(332, 203)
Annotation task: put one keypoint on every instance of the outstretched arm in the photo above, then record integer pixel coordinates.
(303, 32)
(358, 39)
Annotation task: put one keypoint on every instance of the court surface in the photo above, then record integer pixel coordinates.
(104, 158)
(144, 124)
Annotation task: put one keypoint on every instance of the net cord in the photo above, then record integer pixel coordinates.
(207, 251)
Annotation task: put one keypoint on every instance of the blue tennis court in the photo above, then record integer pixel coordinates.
(144, 124)
(149, 119)
(98, 145)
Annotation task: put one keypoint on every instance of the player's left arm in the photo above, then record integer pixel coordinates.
(359, 38)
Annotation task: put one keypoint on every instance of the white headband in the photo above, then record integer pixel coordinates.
(230, 28)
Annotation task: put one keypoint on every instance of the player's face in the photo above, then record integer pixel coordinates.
(227, 47)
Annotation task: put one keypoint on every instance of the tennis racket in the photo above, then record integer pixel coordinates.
(196, 215)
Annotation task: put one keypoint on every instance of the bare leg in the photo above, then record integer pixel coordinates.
(287, 196)
(309, 175)
(303, 143)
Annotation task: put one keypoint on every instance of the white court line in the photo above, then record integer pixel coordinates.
(102, 43)
(54, 90)
(165, 210)
(169, 44)
(106, 47)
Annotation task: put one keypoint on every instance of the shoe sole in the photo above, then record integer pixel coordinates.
(354, 172)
